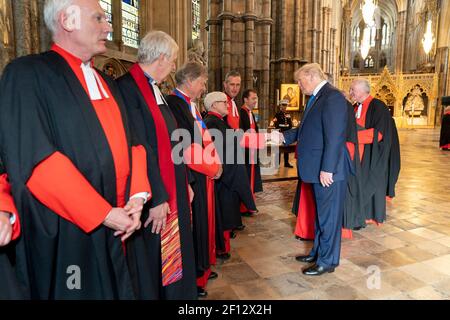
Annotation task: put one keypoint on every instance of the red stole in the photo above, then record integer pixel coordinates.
(172, 269)
(233, 114)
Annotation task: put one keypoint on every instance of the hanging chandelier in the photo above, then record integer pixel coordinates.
(428, 38)
(368, 8)
(365, 43)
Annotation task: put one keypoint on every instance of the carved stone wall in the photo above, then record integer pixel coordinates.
(22, 29)
(239, 39)
(394, 90)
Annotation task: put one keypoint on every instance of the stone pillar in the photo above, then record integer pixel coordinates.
(266, 23)
(346, 30)
(297, 33)
(214, 50)
(249, 19)
(7, 50)
(226, 16)
(401, 38)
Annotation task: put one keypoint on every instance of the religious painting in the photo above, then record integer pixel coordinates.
(291, 93)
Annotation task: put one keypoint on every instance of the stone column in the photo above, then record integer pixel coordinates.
(249, 19)
(226, 16)
(346, 30)
(401, 36)
(266, 23)
(297, 33)
(214, 36)
(7, 50)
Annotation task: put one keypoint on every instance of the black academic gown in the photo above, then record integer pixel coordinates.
(375, 162)
(445, 131)
(245, 125)
(231, 189)
(185, 120)
(143, 124)
(394, 162)
(45, 109)
(9, 286)
(353, 214)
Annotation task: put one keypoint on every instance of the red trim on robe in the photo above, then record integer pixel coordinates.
(226, 236)
(139, 177)
(7, 204)
(109, 116)
(365, 136)
(233, 121)
(77, 201)
(306, 215)
(203, 280)
(172, 269)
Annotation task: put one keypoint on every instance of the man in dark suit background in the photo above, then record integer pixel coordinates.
(323, 162)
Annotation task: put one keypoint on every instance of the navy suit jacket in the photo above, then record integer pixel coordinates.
(321, 137)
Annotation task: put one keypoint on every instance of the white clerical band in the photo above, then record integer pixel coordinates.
(142, 195)
(234, 107)
(158, 95)
(94, 85)
(358, 113)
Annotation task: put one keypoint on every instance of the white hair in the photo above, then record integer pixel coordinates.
(365, 84)
(155, 44)
(52, 9)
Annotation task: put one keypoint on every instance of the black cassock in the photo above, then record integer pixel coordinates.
(144, 126)
(232, 187)
(9, 286)
(353, 214)
(185, 120)
(245, 125)
(44, 109)
(375, 165)
(445, 132)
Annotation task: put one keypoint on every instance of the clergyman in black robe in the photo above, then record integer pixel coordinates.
(154, 124)
(233, 187)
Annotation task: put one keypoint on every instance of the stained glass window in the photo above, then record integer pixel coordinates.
(130, 23)
(107, 7)
(196, 25)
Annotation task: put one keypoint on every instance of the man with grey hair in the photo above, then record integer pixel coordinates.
(77, 177)
(322, 164)
(379, 151)
(170, 241)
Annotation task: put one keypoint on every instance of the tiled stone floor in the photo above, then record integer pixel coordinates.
(411, 251)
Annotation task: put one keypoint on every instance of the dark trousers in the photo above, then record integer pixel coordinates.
(329, 218)
(286, 158)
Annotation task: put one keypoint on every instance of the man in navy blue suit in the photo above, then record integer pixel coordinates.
(323, 162)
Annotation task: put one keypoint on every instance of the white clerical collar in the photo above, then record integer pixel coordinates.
(93, 83)
(317, 89)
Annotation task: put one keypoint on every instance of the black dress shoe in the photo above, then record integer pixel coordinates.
(240, 228)
(288, 165)
(307, 259)
(213, 275)
(223, 256)
(201, 293)
(317, 270)
(303, 239)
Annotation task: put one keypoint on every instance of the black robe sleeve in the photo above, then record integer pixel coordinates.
(159, 194)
